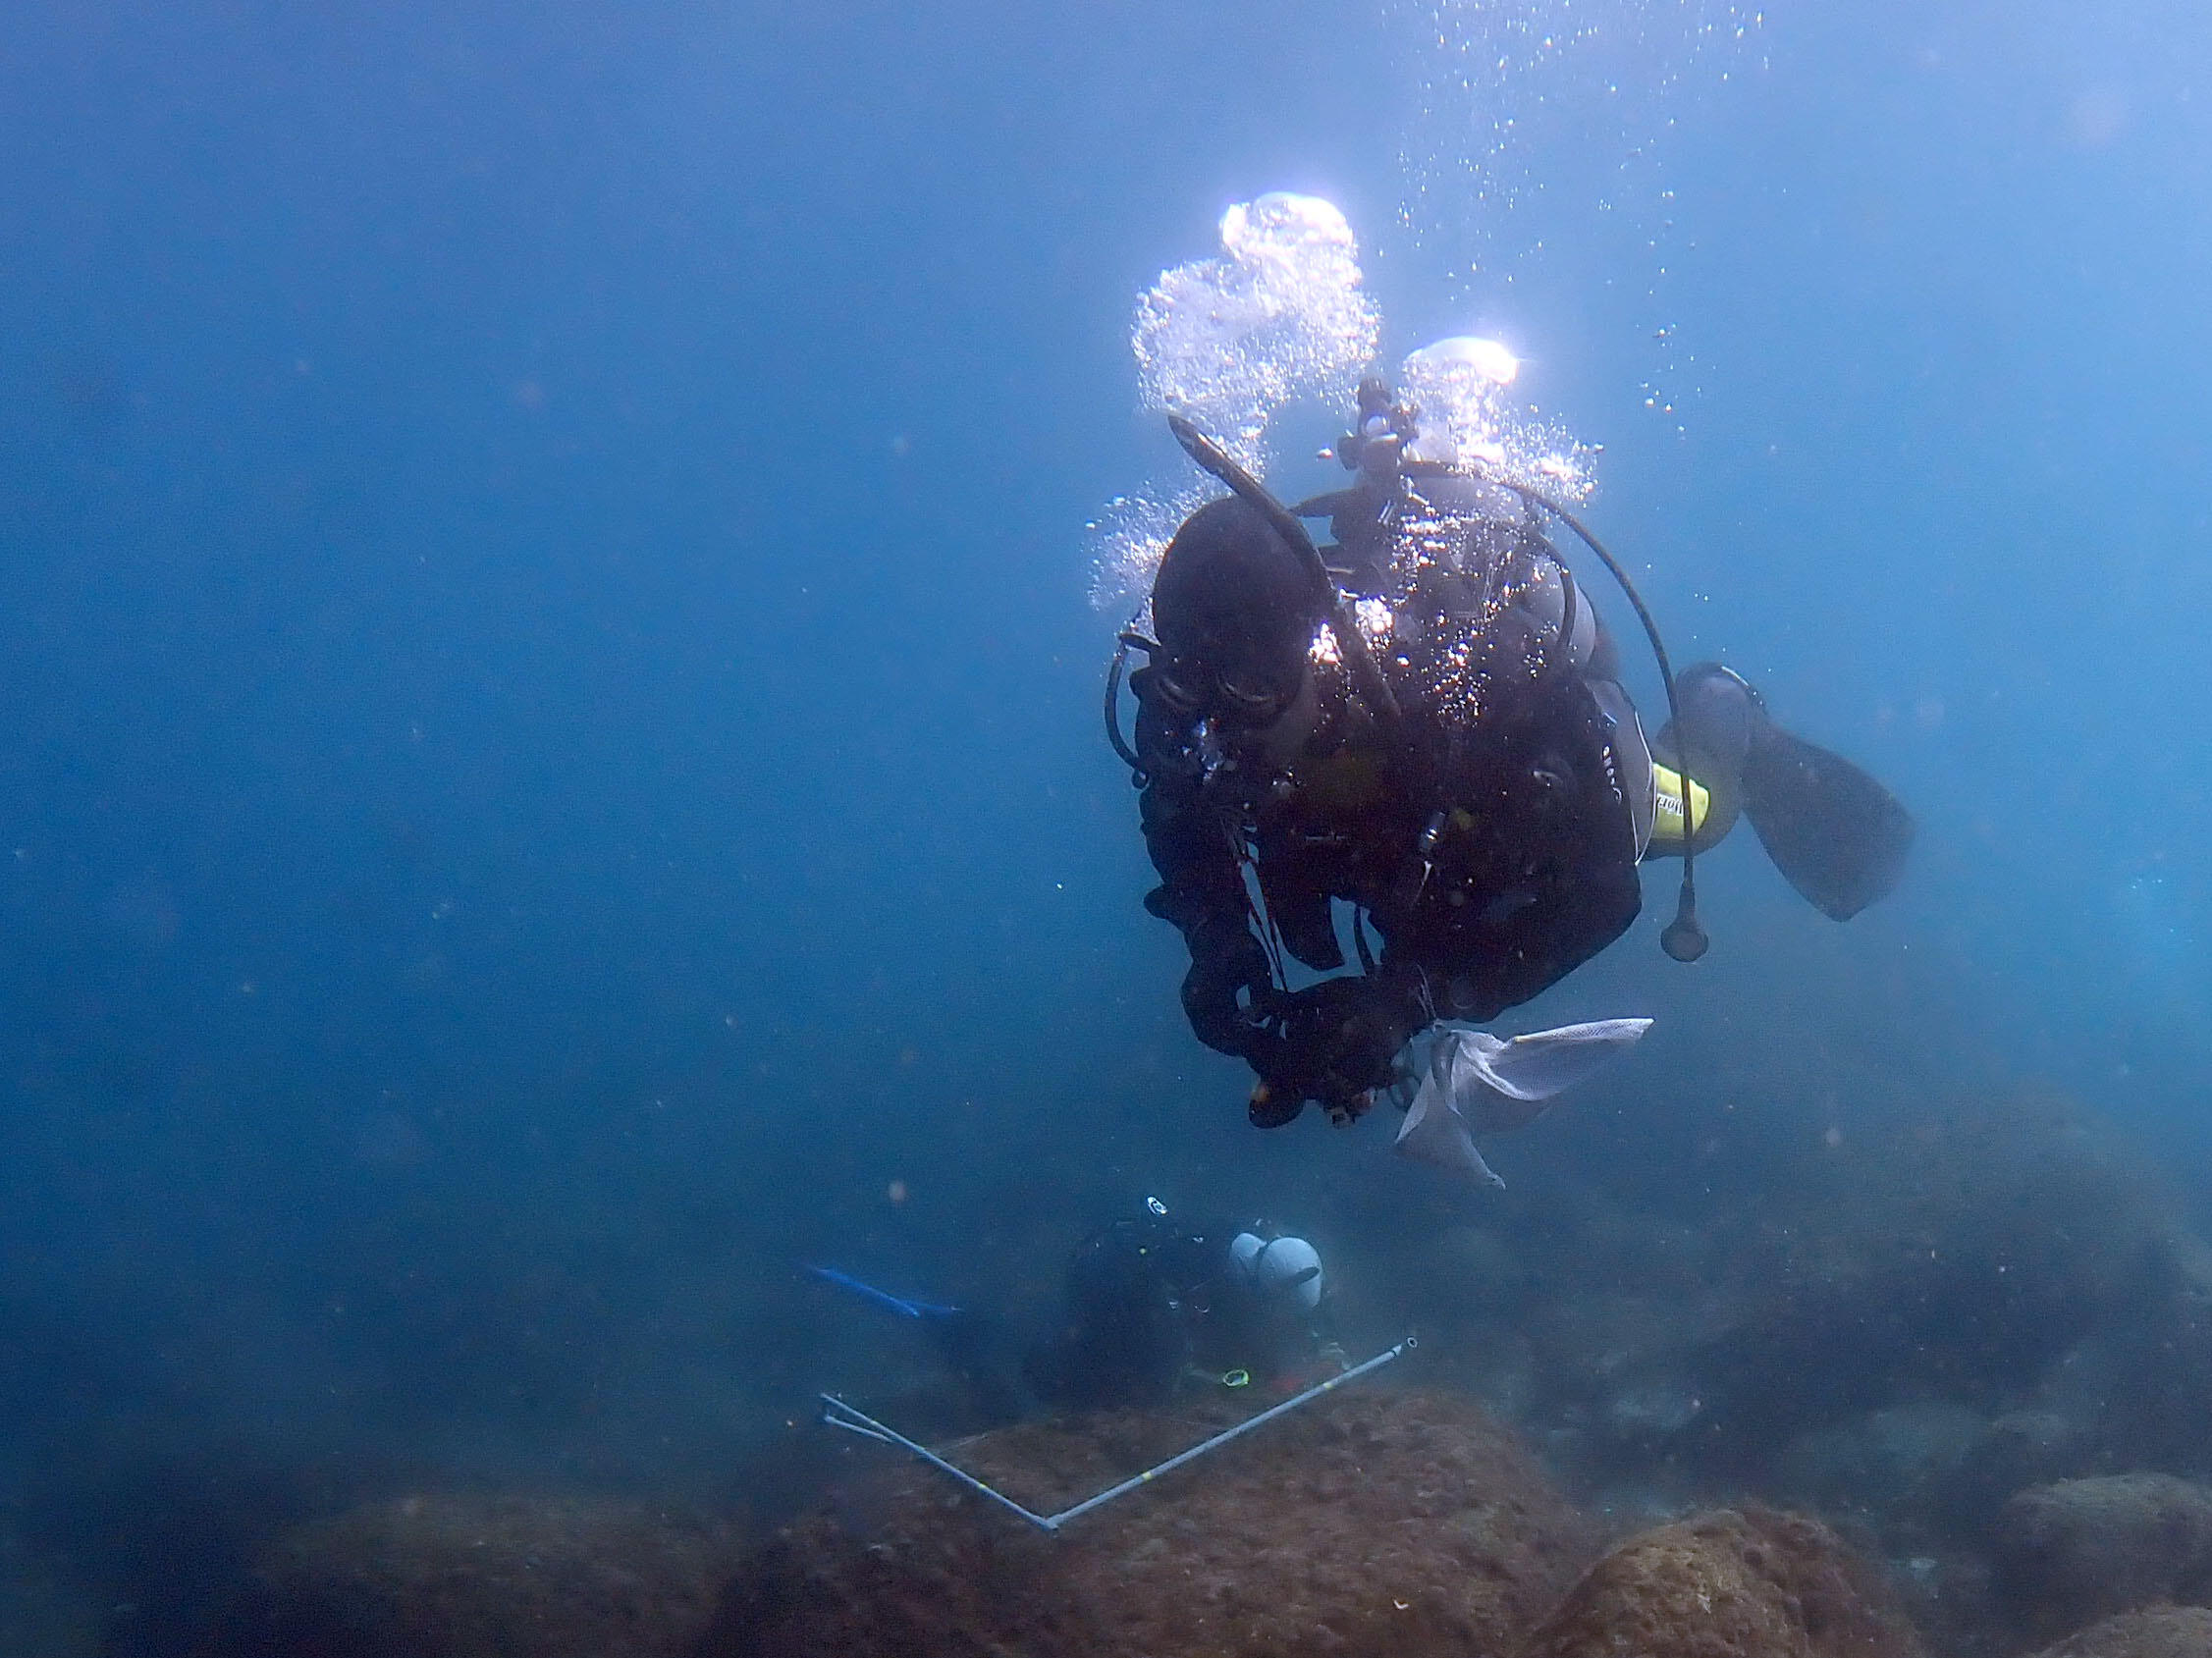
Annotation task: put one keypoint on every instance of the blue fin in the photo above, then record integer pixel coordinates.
(899, 1305)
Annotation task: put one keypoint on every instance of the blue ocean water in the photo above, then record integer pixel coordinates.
(551, 766)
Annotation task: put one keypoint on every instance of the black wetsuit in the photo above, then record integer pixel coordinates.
(1488, 836)
(1151, 1299)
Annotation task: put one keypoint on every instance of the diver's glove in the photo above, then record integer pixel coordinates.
(1335, 1041)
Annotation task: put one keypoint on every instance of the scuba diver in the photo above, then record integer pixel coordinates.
(1424, 722)
(1154, 1304)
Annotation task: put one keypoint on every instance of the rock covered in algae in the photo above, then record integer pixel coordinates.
(1727, 1584)
(2159, 1632)
(483, 1577)
(2083, 1549)
(1370, 1522)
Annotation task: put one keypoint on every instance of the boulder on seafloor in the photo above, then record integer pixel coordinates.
(2020, 1449)
(1754, 1584)
(2083, 1549)
(1376, 1522)
(1959, 1259)
(2148, 1367)
(2158, 1632)
(472, 1575)
(1885, 1463)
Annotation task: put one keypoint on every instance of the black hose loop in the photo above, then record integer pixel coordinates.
(1569, 601)
(1114, 714)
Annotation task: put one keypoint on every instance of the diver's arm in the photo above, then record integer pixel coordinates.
(1334, 1040)
(1201, 890)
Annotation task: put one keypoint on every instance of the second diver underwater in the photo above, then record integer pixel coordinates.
(1425, 722)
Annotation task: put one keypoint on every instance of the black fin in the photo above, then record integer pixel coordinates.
(1836, 835)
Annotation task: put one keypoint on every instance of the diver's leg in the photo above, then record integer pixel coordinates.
(1708, 743)
(1719, 712)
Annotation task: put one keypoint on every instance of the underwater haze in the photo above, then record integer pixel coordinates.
(552, 766)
